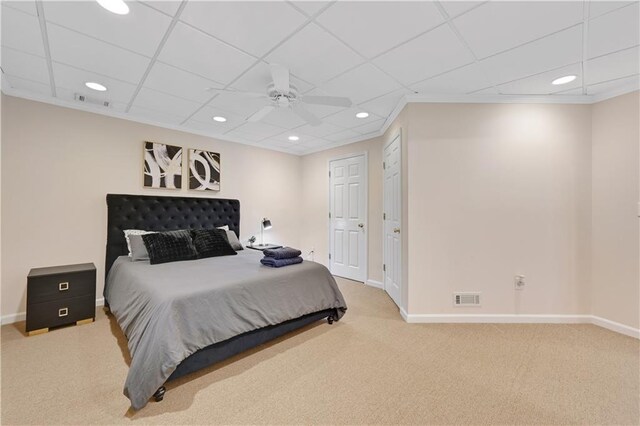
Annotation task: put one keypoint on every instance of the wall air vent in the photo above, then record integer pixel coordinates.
(90, 100)
(466, 299)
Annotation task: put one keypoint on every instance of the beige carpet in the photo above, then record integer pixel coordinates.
(370, 368)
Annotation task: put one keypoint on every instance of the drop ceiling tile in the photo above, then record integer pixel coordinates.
(284, 117)
(577, 91)
(313, 144)
(307, 55)
(379, 25)
(205, 117)
(540, 84)
(176, 82)
(557, 50)
(21, 31)
(260, 130)
(29, 67)
(161, 102)
(342, 136)
(497, 26)
(311, 7)
(465, 79)
(24, 6)
(384, 105)
(253, 26)
(597, 8)
(140, 30)
(208, 128)
(608, 86)
(80, 51)
(201, 54)
(486, 91)
(615, 65)
(348, 119)
(74, 79)
(361, 83)
(455, 8)
(243, 137)
(28, 86)
(242, 106)
(614, 31)
(259, 77)
(320, 131)
(168, 7)
(154, 116)
(430, 54)
(370, 127)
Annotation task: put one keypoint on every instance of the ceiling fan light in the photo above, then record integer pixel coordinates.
(362, 114)
(219, 119)
(564, 80)
(119, 7)
(293, 138)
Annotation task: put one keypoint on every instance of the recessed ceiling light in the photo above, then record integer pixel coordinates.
(293, 138)
(564, 80)
(219, 119)
(95, 86)
(362, 114)
(119, 7)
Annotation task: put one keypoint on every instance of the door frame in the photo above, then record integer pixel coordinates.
(395, 136)
(365, 154)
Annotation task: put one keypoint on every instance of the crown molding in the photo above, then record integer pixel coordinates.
(500, 99)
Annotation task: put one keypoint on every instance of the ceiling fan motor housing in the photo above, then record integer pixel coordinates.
(282, 99)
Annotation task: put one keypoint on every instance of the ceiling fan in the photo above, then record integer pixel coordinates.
(282, 94)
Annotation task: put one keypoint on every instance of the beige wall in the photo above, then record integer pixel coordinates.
(315, 203)
(615, 185)
(58, 164)
(497, 190)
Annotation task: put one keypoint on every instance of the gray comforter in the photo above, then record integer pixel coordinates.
(171, 310)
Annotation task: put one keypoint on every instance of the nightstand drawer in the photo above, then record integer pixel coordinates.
(61, 286)
(60, 312)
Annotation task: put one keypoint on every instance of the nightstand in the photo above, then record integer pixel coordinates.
(264, 246)
(60, 295)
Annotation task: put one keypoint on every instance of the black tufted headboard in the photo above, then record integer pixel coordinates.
(155, 213)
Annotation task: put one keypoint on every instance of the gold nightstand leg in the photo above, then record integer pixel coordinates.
(84, 321)
(38, 331)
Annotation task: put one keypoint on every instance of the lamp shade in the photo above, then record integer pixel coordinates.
(266, 223)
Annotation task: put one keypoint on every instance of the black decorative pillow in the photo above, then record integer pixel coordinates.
(211, 242)
(171, 246)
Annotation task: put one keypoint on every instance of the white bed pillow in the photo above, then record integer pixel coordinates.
(226, 227)
(128, 232)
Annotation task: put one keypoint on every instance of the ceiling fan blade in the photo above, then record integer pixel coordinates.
(238, 92)
(261, 113)
(306, 115)
(280, 77)
(327, 100)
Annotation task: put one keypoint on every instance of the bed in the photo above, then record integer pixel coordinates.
(183, 316)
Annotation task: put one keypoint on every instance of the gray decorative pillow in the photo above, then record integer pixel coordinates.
(138, 249)
(233, 240)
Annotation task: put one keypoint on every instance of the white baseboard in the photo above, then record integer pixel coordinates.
(21, 316)
(615, 326)
(519, 319)
(498, 318)
(374, 283)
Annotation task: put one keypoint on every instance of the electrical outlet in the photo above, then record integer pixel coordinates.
(519, 282)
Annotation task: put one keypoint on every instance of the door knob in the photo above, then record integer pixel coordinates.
(396, 230)
(361, 225)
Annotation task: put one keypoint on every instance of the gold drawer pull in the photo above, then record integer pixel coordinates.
(63, 312)
(63, 286)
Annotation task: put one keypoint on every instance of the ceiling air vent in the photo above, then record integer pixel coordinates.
(466, 299)
(90, 100)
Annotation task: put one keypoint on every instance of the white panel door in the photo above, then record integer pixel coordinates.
(347, 217)
(392, 216)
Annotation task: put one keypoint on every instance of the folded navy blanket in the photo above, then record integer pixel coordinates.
(277, 263)
(282, 253)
